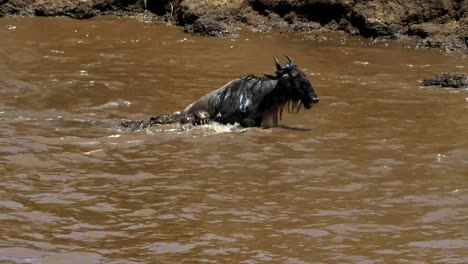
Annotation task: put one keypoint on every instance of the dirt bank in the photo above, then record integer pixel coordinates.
(441, 24)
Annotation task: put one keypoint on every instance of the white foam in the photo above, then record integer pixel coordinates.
(92, 151)
(113, 104)
(214, 128)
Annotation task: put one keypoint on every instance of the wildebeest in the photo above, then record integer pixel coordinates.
(258, 101)
(249, 101)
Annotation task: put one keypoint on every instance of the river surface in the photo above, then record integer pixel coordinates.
(377, 172)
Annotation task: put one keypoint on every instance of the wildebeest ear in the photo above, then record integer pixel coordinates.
(269, 76)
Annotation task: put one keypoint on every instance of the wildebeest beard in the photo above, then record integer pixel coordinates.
(258, 101)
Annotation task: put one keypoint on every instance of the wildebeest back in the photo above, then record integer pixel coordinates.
(239, 101)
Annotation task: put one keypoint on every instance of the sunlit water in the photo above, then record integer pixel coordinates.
(377, 172)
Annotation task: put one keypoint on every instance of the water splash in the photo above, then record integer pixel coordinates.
(113, 104)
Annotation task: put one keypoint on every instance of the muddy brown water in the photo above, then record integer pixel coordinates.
(375, 173)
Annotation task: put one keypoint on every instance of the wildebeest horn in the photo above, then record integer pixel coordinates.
(278, 65)
(289, 59)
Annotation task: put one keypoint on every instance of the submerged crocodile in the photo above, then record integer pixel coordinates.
(197, 118)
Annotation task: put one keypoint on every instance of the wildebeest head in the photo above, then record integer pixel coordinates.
(299, 88)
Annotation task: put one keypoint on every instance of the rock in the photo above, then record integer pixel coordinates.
(429, 29)
(378, 18)
(452, 80)
(161, 7)
(221, 10)
(438, 24)
(208, 27)
(70, 8)
(447, 37)
(209, 17)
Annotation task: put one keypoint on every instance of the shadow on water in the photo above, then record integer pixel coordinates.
(294, 128)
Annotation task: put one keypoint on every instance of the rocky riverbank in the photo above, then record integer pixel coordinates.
(441, 24)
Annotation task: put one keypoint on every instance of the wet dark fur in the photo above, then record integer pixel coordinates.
(258, 101)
